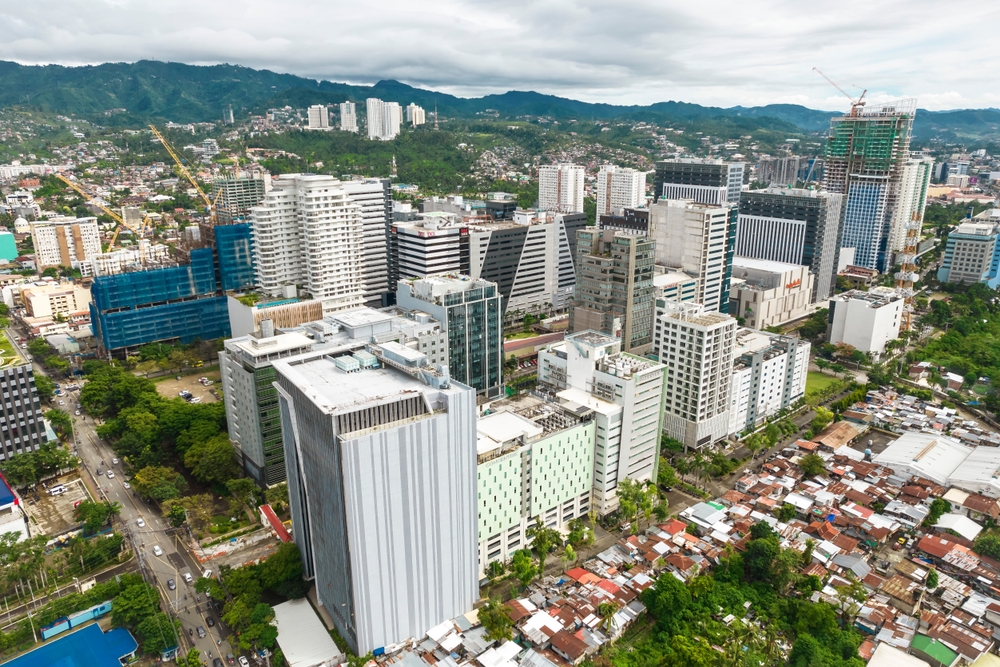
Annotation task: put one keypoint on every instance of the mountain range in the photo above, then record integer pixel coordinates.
(153, 90)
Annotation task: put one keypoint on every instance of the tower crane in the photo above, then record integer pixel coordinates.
(209, 204)
(856, 104)
(114, 216)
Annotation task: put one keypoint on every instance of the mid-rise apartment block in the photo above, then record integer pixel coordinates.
(234, 197)
(560, 187)
(374, 196)
(614, 287)
(415, 115)
(319, 117)
(623, 394)
(778, 170)
(535, 461)
(696, 346)
(308, 233)
(793, 227)
(22, 428)
(383, 119)
(769, 294)
(434, 243)
(55, 300)
(697, 239)
(380, 449)
(348, 117)
(674, 285)
(914, 181)
(769, 375)
(619, 188)
(867, 321)
(972, 254)
(65, 241)
(705, 181)
(471, 313)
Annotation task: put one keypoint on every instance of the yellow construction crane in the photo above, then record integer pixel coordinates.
(114, 216)
(856, 104)
(180, 167)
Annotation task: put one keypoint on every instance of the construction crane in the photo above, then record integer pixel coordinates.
(114, 216)
(856, 104)
(184, 170)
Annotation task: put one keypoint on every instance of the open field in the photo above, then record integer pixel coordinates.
(818, 381)
(170, 386)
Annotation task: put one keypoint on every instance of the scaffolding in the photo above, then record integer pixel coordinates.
(907, 274)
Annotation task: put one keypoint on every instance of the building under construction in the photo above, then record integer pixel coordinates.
(864, 160)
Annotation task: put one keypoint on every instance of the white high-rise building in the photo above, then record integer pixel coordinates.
(618, 188)
(866, 321)
(319, 117)
(415, 115)
(348, 117)
(383, 119)
(769, 374)
(560, 187)
(309, 232)
(374, 196)
(65, 241)
(623, 392)
(696, 238)
(696, 346)
(915, 180)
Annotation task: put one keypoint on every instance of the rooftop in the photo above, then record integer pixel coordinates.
(763, 265)
(877, 297)
(302, 637)
(86, 647)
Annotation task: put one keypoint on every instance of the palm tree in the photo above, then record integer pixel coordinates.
(607, 610)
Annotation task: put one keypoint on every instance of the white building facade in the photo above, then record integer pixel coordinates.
(384, 119)
(866, 321)
(769, 294)
(560, 187)
(348, 117)
(319, 117)
(769, 375)
(618, 188)
(65, 241)
(415, 115)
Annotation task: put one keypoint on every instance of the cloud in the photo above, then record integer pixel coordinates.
(627, 51)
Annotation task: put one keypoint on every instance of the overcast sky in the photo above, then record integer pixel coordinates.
(721, 52)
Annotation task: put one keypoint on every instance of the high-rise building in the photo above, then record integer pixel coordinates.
(23, 428)
(415, 115)
(560, 187)
(309, 232)
(972, 254)
(778, 170)
(614, 287)
(374, 196)
(866, 321)
(915, 180)
(696, 346)
(698, 239)
(531, 259)
(769, 375)
(319, 117)
(769, 294)
(794, 227)
(234, 197)
(622, 392)
(619, 188)
(433, 243)
(380, 449)
(706, 181)
(348, 117)
(472, 315)
(383, 119)
(65, 241)
(535, 460)
(865, 157)
(227, 115)
(246, 367)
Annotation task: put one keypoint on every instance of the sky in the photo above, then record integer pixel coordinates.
(720, 53)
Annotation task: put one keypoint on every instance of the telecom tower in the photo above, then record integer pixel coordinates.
(435, 115)
(907, 274)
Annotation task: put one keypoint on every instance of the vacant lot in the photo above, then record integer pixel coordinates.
(171, 386)
(53, 515)
(818, 381)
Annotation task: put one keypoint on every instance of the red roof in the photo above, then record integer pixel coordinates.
(275, 522)
(935, 546)
(673, 527)
(609, 586)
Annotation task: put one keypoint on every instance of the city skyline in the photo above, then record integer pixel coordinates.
(724, 56)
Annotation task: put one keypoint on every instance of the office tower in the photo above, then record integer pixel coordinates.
(348, 117)
(374, 196)
(227, 115)
(622, 393)
(614, 287)
(705, 181)
(21, 412)
(383, 119)
(309, 232)
(915, 180)
(65, 241)
(865, 320)
(319, 117)
(234, 197)
(247, 370)
(769, 294)
(696, 346)
(472, 315)
(415, 115)
(530, 259)
(795, 227)
(433, 243)
(233, 244)
(630, 221)
(619, 188)
(382, 487)
(560, 187)
(697, 239)
(769, 375)
(778, 170)
(535, 458)
(972, 254)
(865, 156)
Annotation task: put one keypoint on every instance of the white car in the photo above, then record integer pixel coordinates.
(114, 461)
(77, 413)
(126, 485)
(62, 402)
(111, 475)
(140, 523)
(157, 551)
(244, 662)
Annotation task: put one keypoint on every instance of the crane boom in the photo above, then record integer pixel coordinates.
(180, 166)
(114, 216)
(856, 104)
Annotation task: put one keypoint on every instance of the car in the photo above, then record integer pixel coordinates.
(171, 584)
(188, 578)
(901, 540)
(140, 523)
(114, 461)
(111, 474)
(62, 402)
(210, 621)
(201, 632)
(244, 662)
(157, 551)
(126, 485)
(77, 413)
(230, 658)
(216, 662)
(99, 472)
(207, 574)
(895, 547)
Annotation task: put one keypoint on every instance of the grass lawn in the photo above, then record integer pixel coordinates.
(205, 370)
(6, 349)
(519, 335)
(819, 381)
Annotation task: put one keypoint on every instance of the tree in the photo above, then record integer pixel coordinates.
(94, 515)
(134, 603)
(932, 580)
(786, 512)
(939, 506)
(822, 418)
(495, 619)
(607, 610)
(177, 515)
(244, 492)
(849, 599)
(282, 572)
(158, 632)
(543, 541)
(45, 385)
(159, 483)
(569, 554)
(987, 544)
(60, 421)
(193, 659)
(277, 497)
(812, 464)
(212, 461)
(523, 567)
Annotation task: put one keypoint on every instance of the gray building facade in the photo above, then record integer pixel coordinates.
(706, 181)
(21, 420)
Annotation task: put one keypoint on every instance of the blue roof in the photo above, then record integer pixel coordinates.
(6, 495)
(86, 647)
